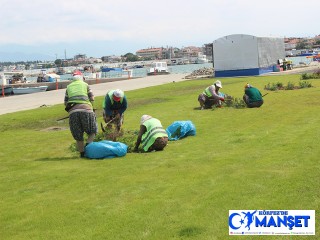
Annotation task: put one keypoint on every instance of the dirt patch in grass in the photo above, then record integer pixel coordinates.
(190, 231)
(49, 129)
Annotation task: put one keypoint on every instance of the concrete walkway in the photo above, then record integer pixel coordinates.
(311, 68)
(17, 103)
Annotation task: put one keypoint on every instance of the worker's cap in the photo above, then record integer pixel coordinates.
(247, 85)
(117, 95)
(76, 72)
(144, 118)
(77, 75)
(218, 83)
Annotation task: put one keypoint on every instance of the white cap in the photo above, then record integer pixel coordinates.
(77, 77)
(118, 93)
(144, 118)
(218, 84)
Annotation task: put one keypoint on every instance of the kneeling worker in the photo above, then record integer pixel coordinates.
(114, 105)
(151, 135)
(211, 96)
(252, 96)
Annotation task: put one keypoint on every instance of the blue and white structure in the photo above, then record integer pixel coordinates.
(246, 55)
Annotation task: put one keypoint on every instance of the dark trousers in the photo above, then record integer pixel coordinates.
(252, 104)
(159, 144)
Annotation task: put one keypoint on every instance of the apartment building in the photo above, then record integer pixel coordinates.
(152, 53)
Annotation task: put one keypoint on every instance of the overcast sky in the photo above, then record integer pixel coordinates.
(103, 27)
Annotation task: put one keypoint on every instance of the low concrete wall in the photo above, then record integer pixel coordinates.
(64, 84)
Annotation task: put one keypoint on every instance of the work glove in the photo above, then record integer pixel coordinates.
(222, 99)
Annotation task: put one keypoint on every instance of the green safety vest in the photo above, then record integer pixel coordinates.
(207, 92)
(78, 92)
(110, 95)
(154, 130)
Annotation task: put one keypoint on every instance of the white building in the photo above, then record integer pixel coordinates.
(245, 55)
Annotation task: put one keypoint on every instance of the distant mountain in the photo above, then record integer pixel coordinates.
(19, 56)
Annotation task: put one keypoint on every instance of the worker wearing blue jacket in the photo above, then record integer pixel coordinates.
(114, 105)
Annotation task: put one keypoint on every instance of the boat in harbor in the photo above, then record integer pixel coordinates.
(158, 68)
(108, 69)
(48, 77)
(27, 90)
(7, 90)
(52, 77)
(14, 77)
(60, 71)
(201, 59)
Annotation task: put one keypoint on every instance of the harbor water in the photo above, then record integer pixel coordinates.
(142, 72)
(136, 72)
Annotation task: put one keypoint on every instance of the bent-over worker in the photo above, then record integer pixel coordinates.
(252, 96)
(114, 105)
(152, 135)
(82, 119)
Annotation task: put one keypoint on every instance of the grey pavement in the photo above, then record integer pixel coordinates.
(311, 68)
(17, 103)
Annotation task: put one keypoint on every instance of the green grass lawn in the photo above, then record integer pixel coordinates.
(266, 158)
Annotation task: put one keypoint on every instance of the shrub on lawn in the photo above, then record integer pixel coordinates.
(305, 84)
(271, 87)
(290, 86)
(306, 76)
(315, 75)
(229, 101)
(279, 85)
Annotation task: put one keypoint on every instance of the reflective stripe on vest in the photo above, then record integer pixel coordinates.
(154, 130)
(83, 98)
(78, 92)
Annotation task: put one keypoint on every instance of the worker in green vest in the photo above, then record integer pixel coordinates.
(252, 96)
(211, 97)
(114, 105)
(152, 135)
(78, 103)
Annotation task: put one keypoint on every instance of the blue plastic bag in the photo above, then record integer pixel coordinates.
(105, 149)
(180, 129)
